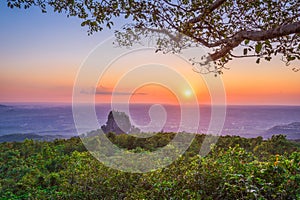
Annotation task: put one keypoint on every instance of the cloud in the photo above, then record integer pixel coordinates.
(119, 93)
(107, 91)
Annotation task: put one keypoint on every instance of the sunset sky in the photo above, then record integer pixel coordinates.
(41, 54)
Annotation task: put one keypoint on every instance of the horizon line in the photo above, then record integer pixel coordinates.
(138, 103)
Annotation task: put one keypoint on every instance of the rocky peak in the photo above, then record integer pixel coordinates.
(118, 122)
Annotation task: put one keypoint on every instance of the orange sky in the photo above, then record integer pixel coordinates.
(245, 83)
(40, 56)
(267, 83)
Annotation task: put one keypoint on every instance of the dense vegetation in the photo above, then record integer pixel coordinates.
(236, 167)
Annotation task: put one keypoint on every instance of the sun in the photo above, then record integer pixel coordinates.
(187, 93)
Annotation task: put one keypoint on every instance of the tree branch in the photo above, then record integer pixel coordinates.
(283, 30)
(244, 56)
(211, 8)
(175, 38)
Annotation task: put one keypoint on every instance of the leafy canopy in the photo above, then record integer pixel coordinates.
(263, 28)
(236, 168)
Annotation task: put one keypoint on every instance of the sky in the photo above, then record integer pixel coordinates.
(42, 57)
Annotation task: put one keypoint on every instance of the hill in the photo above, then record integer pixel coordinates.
(21, 137)
(292, 130)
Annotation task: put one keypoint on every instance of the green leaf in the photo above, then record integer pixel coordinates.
(268, 58)
(247, 42)
(127, 15)
(267, 42)
(290, 58)
(258, 47)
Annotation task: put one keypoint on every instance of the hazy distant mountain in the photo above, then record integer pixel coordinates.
(292, 130)
(5, 107)
(21, 137)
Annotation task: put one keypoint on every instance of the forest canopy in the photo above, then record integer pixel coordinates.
(236, 168)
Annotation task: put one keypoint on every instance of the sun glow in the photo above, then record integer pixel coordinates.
(187, 93)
